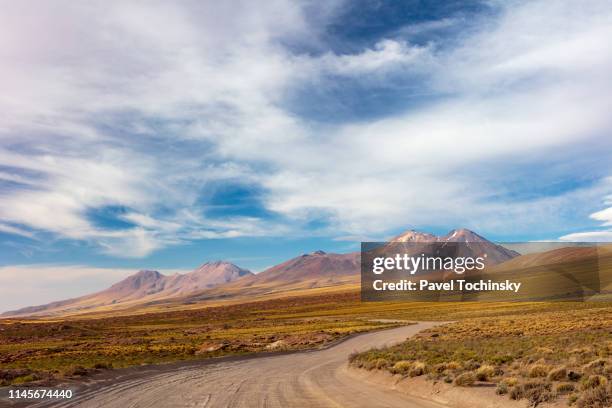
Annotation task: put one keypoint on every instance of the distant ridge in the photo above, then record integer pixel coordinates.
(143, 286)
(224, 280)
(317, 269)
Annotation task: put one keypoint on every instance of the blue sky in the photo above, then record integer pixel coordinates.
(256, 133)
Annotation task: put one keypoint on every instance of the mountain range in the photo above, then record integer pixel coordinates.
(141, 287)
(223, 280)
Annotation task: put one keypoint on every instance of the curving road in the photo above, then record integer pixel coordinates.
(305, 379)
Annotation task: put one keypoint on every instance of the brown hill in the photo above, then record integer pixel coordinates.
(554, 256)
(320, 270)
(224, 281)
(142, 287)
(567, 273)
(315, 270)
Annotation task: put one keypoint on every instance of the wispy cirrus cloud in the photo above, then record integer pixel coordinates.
(108, 110)
(602, 234)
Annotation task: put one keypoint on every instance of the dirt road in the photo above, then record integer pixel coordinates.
(307, 379)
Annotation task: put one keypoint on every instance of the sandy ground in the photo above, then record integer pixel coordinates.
(447, 395)
(308, 379)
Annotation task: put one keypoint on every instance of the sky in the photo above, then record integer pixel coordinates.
(162, 135)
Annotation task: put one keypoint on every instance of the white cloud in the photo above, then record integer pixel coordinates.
(15, 230)
(108, 109)
(605, 217)
(386, 55)
(589, 236)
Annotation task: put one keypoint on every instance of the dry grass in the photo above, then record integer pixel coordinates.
(536, 356)
(598, 397)
(465, 379)
(43, 349)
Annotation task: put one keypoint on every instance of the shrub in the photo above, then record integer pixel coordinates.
(516, 392)
(511, 381)
(538, 370)
(541, 394)
(453, 365)
(465, 379)
(418, 368)
(593, 381)
(401, 367)
(534, 391)
(597, 397)
(485, 372)
(380, 363)
(564, 388)
(557, 374)
(502, 388)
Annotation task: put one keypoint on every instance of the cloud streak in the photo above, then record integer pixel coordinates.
(106, 109)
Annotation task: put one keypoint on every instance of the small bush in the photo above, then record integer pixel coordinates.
(537, 396)
(598, 397)
(511, 381)
(502, 388)
(418, 368)
(535, 392)
(485, 372)
(401, 367)
(557, 374)
(465, 379)
(538, 370)
(564, 388)
(517, 392)
(593, 381)
(453, 365)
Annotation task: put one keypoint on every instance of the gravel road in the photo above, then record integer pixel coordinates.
(305, 379)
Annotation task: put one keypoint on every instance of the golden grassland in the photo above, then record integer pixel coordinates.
(46, 351)
(548, 352)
